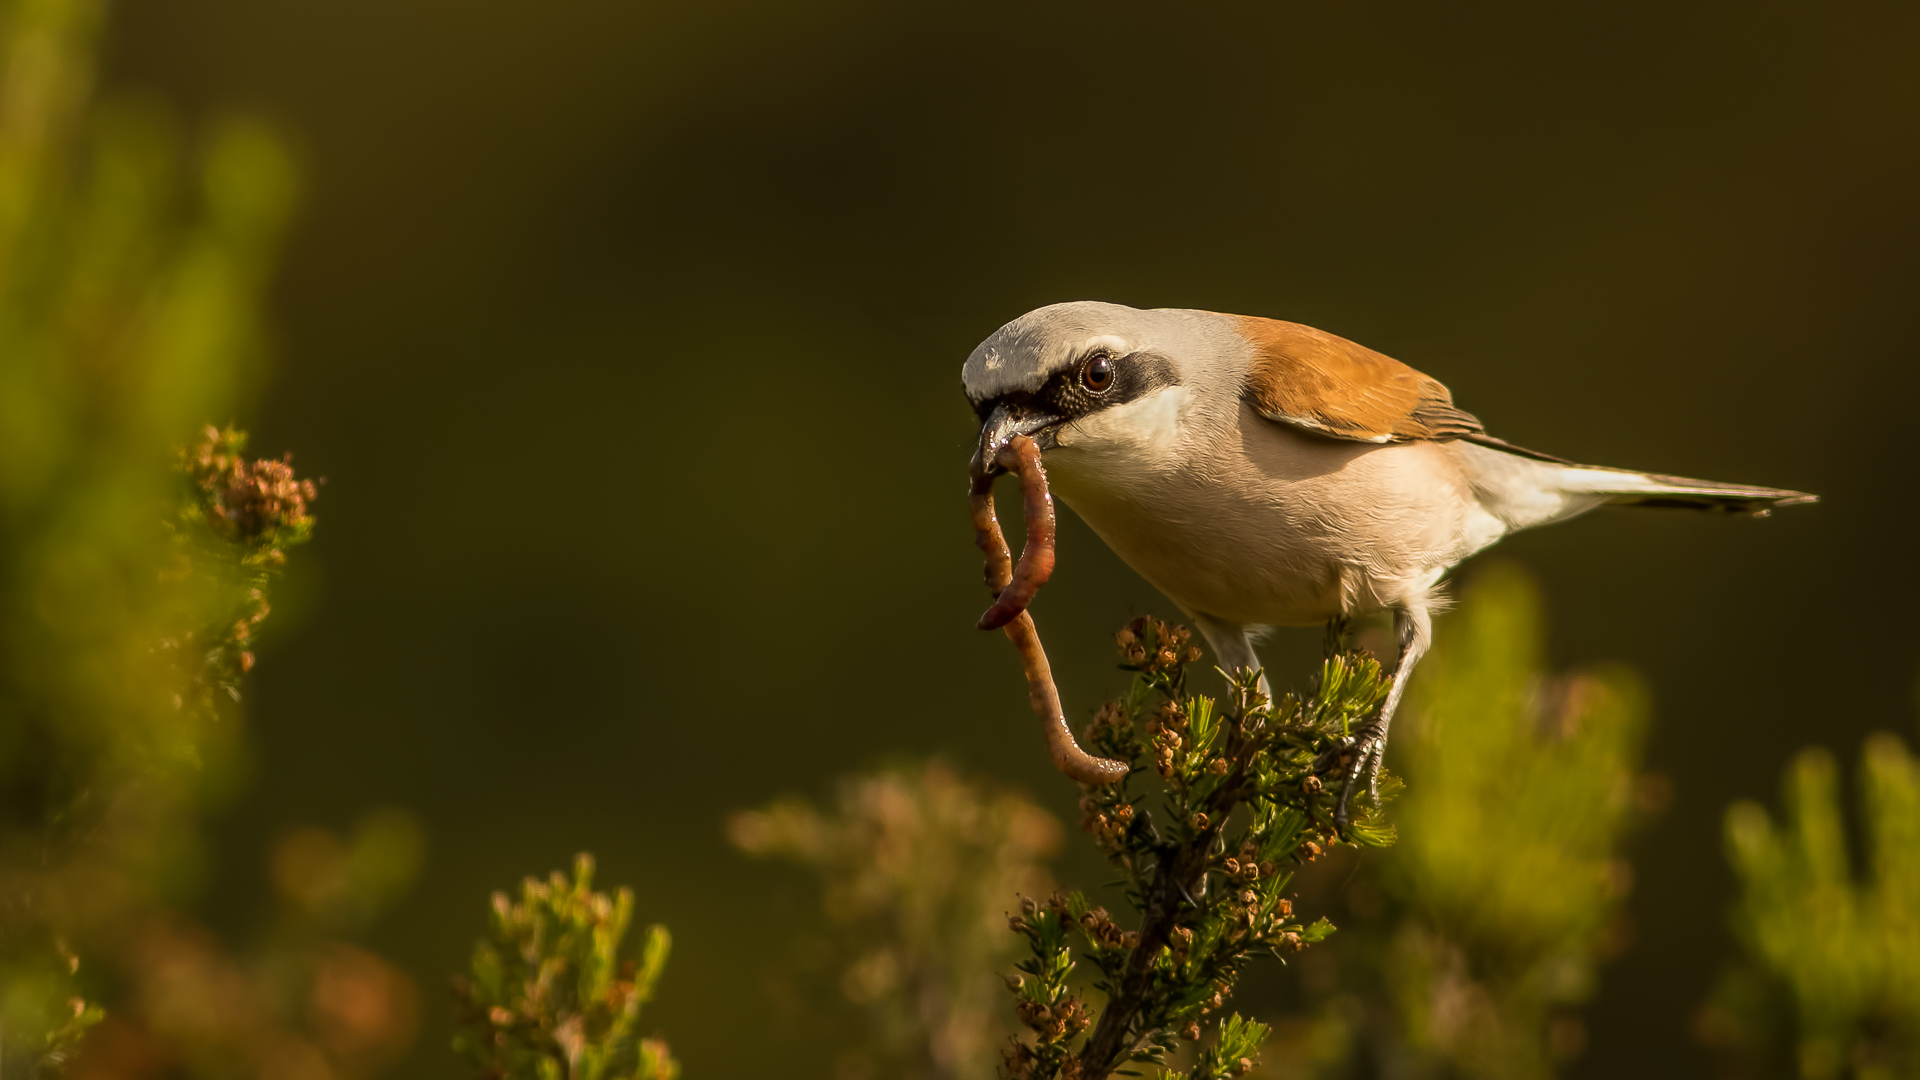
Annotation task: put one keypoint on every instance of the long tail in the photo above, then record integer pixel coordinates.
(1624, 487)
(1527, 487)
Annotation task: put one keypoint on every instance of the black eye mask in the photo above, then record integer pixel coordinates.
(1066, 396)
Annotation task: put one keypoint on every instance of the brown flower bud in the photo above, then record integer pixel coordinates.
(1200, 823)
(1243, 1067)
(1311, 786)
(1015, 983)
(1219, 766)
(1249, 896)
(1191, 1032)
(1027, 906)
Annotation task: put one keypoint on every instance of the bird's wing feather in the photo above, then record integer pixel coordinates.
(1325, 384)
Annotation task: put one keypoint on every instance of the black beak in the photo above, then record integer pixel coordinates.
(1003, 423)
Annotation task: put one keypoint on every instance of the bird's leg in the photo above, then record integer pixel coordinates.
(1232, 647)
(1336, 639)
(1413, 626)
(1340, 756)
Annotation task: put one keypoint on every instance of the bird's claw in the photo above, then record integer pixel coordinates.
(1336, 759)
(1354, 756)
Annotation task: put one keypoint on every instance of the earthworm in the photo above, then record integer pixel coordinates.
(1022, 458)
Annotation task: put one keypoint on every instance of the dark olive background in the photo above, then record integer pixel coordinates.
(628, 339)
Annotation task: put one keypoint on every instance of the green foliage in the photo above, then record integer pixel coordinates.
(230, 536)
(1832, 959)
(130, 276)
(916, 865)
(1485, 923)
(550, 998)
(1205, 855)
(1231, 1054)
(134, 580)
(1525, 781)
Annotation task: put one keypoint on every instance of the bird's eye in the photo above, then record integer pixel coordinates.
(1097, 372)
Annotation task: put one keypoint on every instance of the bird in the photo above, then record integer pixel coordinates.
(1263, 473)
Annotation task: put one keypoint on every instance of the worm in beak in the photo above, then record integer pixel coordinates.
(1015, 587)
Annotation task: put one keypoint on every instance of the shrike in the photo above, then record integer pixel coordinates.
(1264, 473)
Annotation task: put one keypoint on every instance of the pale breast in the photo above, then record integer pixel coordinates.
(1271, 526)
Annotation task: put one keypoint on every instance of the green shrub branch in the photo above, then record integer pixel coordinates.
(1220, 806)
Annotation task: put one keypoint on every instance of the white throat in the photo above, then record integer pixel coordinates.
(1120, 448)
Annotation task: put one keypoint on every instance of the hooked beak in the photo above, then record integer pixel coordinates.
(1002, 424)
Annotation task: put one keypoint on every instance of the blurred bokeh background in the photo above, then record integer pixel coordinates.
(627, 337)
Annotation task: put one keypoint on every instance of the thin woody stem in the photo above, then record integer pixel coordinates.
(1111, 1037)
(1172, 883)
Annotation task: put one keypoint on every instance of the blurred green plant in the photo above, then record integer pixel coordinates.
(1480, 931)
(303, 1002)
(230, 536)
(549, 997)
(134, 581)
(1831, 978)
(917, 866)
(1240, 803)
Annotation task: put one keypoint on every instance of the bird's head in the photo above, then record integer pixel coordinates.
(1094, 375)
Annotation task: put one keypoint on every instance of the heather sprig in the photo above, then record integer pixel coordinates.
(1206, 854)
(550, 996)
(234, 523)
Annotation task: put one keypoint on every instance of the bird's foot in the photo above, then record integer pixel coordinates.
(1348, 751)
(1355, 756)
